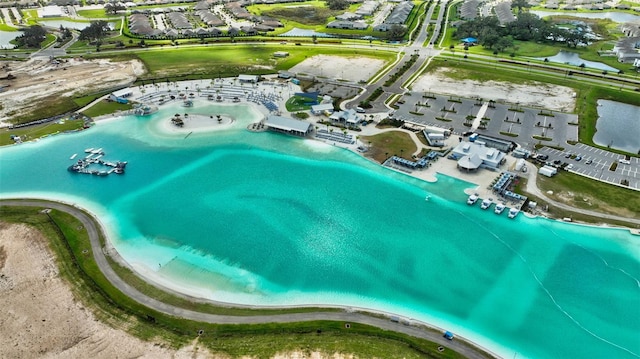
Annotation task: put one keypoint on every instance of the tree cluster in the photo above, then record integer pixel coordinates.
(95, 32)
(526, 27)
(32, 37)
(113, 7)
(337, 4)
(396, 32)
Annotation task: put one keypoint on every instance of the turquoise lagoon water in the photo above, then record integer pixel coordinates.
(263, 218)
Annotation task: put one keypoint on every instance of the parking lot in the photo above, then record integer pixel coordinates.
(595, 163)
(507, 122)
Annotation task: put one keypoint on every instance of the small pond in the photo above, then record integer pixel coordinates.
(612, 15)
(572, 58)
(618, 126)
(70, 24)
(6, 36)
(305, 33)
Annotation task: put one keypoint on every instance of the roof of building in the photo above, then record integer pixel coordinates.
(470, 162)
(50, 11)
(122, 93)
(253, 78)
(322, 107)
(287, 124)
(487, 155)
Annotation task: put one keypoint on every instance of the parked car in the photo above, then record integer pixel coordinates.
(567, 155)
(578, 158)
(624, 161)
(589, 161)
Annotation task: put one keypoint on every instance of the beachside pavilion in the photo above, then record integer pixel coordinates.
(288, 125)
(473, 155)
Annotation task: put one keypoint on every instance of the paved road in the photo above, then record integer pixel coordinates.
(414, 48)
(413, 328)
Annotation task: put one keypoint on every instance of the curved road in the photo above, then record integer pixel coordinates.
(459, 345)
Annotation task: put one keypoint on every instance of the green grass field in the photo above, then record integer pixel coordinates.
(388, 144)
(105, 107)
(231, 60)
(38, 131)
(297, 103)
(96, 14)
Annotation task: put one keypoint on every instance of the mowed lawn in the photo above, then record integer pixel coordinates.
(230, 60)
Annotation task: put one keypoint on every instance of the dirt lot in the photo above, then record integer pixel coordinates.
(543, 95)
(337, 67)
(37, 79)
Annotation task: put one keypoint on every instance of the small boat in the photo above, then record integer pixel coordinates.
(472, 199)
(73, 156)
(499, 208)
(88, 150)
(97, 151)
(486, 203)
(513, 212)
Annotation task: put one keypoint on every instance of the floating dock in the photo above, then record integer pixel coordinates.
(88, 164)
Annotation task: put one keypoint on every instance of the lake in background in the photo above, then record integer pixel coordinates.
(268, 219)
(612, 15)
(71, 24)
(572, 58)
(618, 126)
(6, 37)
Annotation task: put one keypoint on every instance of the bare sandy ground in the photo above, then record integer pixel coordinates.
(41, 319)
(37, 79)
(337, 67)
(538, 94)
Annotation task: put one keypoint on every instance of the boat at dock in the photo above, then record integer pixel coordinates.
(499, 208)
(472, 199)
(88, 150)
(486, 203)
(513, 212)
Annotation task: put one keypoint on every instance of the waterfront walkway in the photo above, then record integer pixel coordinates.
(348, 315)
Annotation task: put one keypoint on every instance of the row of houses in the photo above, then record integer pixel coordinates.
(398, 16)
(209, 18)
(627, 49)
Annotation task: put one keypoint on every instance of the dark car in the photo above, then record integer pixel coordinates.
(567, 155)
(557, 162)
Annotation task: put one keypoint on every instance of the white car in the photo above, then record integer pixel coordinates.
(623, 161)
